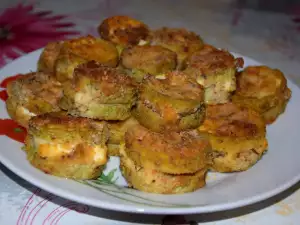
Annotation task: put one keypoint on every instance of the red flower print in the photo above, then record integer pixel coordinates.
(296, 17)
(238, 12)
(12, 130)
(8, 127)
(3, 84)
(23, 30)
(7, 80)
(3, 95)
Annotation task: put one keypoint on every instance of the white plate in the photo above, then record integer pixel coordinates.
(276, 171)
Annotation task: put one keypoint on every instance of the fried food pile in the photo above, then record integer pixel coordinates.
(264, 90)
(168, 163)
(67, 146)
(169, 105)
(237, 135)
(173, 102)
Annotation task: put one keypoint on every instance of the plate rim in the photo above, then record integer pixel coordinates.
(140, 209)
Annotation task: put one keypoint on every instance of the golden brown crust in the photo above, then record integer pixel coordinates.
(113, 149)
(232, 120)
(264, 90)
(33, 94)
(176, 36)
(62, 118)
(271, 114)
(164, 117)
(150, 180)
(99, 92)
(17, 113)
(59, 127)
(66, 168)
(67, 146)
(215, 70)
(210, 61)
(80, 50)
(237, 136)
(173, 103)
(170, 152)
(149, 59)
(235, 154)
(90, 48)
(176, 84)
(179, 40)
(111, 77)
(123, 30)
(48, 57)
(40, 84)
(260, 82)
(117, 129)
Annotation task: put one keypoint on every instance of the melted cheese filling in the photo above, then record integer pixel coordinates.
(143, 42)
(24, 111)
(97, 154)
(100, 154)
(49, 149)
(160, 76)
(83, 97)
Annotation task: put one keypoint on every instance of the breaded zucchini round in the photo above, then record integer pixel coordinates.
(66, 146)
(123, 30)
(264, 90)
(99, 92)
(179, 40)
(113, 149)
(169, 152)
(237, 136)
(173, 102)
(117, 130)
(215, 70)
(142, 60)
(77, 51)
(150, 180)
(33, 94)
(48, 57)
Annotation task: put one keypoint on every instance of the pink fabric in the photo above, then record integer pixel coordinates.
(26, 30)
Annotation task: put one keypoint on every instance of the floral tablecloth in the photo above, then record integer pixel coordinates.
(264, 30)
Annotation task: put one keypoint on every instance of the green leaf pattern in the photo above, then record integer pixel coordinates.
(109, 178)
(106, 184)
(18, 130)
